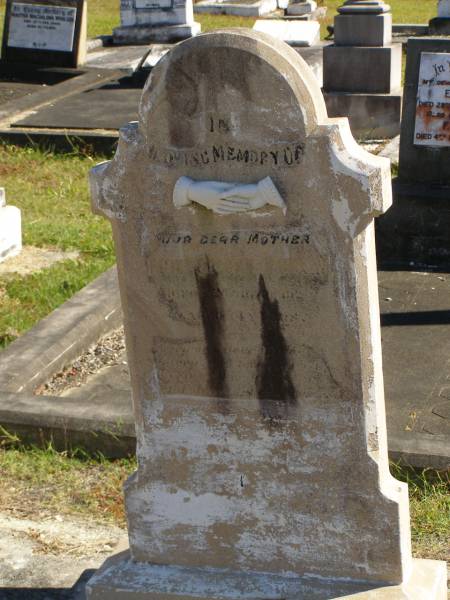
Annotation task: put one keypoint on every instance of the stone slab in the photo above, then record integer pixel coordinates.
(87, 109)
(371, 116)
(121, 579)
(251, 8)
(157, 34)
(416, 230)
(294, 33)
(363, 30)
(51, 33)
(126, 59)
(61, 336)
(421, 163)
(359, 69)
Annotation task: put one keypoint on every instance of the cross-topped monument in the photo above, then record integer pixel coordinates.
(243, 223)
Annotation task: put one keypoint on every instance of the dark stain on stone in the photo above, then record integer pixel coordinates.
(276, 392)
(212, 314)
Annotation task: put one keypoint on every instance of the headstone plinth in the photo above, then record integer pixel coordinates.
(362, 70)
(440, 25)
(301, 8)
(155, 21)
(416, 231)
(10, 229)
(246, 263)
(49, 33)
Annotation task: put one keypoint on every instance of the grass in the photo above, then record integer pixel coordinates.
(49, 482)
(51, 191)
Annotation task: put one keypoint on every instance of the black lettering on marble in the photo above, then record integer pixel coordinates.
(213, 317)
(275, 389)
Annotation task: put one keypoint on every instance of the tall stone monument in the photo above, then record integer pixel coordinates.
(416, 231)
(246, 261)
(440, 25)
(362, 69)
(146, 21)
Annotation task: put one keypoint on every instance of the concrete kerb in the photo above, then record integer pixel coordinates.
(47, 348)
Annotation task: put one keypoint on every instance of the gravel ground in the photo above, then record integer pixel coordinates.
(108, 351)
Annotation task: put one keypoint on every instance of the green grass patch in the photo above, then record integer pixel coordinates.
(52, 192)
(429, 497)
(49, 482)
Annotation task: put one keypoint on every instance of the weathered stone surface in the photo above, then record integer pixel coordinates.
(295, 33)
(363, 29)
(246, 262)
(255, 8)
(357, 69)
(444, 9)
(427, 580)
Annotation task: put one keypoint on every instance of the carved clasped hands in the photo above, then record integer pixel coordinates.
(227, 198)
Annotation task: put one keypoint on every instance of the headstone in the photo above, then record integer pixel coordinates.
(45, 32)
(246, 263)
(295, 33)
(362, 70)
(240, 8)
(417, 230)
(155, 21)
(440, 25)
(10, 229)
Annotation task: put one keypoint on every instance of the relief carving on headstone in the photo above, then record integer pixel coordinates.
(253, 338)
(227, 198)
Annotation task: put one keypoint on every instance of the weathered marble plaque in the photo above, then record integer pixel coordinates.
(433, 100)
(243, 223)
(47, 33)
(40, 26)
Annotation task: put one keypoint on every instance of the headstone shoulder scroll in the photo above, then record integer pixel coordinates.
(246, 259)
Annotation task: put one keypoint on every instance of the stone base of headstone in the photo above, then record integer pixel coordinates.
(252, 8)
(120, 578)
(295, 32)
(362, 69)
(371, 116)
(363, 30)
(415, 231)
(439, 26)
(158, 34)
(10, 229)
(301, 8)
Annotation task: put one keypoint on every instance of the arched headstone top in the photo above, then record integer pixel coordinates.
(238, 106)
(204, 53)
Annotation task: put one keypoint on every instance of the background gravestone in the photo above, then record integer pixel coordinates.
(247, 270)
(45, 32)
(416, 231)
(145, 21)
